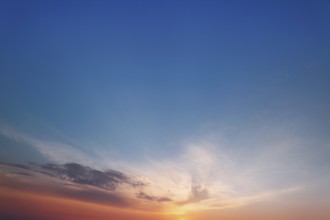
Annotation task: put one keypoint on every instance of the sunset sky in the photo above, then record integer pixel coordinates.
(166, 110)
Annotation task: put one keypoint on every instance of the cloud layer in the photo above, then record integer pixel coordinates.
(204, 175)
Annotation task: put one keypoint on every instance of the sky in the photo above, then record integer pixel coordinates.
(169, 110)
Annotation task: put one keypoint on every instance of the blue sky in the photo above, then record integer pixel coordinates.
(134, 81)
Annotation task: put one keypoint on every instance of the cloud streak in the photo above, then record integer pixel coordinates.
(76, 173)
(142, 195)
(203, 174)
(53, 151)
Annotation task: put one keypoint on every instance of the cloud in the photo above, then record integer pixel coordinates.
(76, 173)
(249, 199)
(82, 175)
(204, 173)
(58, 187)
(75, 181)
(198, 193)
(53, 151)
(40, 184)
(142, 195)
(23, 166)
(23, 173)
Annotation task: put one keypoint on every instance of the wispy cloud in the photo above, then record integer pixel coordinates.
(198, 193)
(143, 195)
(53, 151)
(245, 200)
(201, 176)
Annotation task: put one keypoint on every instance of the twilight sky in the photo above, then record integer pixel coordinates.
(174, 110)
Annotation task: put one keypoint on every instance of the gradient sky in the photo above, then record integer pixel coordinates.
(221, 107)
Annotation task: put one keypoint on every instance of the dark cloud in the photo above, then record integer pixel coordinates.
(143, 195)
(77, 173)
(83, 175)
(77, 188)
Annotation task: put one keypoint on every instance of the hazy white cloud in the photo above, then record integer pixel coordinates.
(261, 196)
(205, 174)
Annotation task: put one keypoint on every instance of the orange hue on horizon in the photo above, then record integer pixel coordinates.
(39, 198)
(29, 205)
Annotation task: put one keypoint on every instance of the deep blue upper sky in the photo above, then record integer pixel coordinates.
(140, 76)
